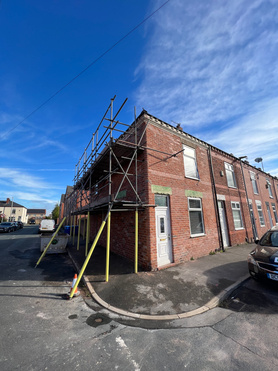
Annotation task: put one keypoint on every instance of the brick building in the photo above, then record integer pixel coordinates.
(191, 197)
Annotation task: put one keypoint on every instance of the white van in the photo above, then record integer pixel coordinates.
(47, 225)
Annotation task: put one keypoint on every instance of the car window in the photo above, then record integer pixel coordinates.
(274, 239)
(270, 239)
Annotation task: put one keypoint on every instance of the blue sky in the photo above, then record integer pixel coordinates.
(209, 65)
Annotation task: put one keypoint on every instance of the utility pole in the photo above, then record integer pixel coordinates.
(10, 218)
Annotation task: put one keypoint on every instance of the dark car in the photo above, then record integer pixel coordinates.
(7, 227)
(16, 226)
(20, 224)
(263, 260)
(32, 221)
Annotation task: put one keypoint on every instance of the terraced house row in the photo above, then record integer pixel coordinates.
(191, 198)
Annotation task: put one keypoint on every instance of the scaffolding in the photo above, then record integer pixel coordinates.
(111, 153)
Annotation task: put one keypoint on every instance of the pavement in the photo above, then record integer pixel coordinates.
(180, 291)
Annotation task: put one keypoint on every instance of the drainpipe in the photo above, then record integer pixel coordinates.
(273, 181)
(253, 229)
(216, 203)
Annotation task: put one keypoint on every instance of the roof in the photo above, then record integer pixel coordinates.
(36, 211)
(69, 190)
(195, 139)
(10, 204)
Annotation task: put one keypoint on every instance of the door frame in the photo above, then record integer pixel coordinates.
(226, 231)
(168, 231)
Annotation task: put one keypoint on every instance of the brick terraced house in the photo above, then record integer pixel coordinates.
(190, 198)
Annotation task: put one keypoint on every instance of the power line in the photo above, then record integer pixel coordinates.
(85, 69)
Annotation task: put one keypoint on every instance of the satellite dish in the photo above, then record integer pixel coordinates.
(258, 159)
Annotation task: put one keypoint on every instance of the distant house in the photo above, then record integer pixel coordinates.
(63, 203)
(13, 211)
(36, 214)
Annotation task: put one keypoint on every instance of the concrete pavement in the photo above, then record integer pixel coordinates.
(177, 292)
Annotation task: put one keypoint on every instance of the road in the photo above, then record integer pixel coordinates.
(42, 331)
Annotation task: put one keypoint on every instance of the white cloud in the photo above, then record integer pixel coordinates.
(24, 180)
(46, 143)
(35, 198)
(255, 135)
(212, 66)
(209, 62)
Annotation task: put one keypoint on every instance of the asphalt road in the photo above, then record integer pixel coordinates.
(42, 331)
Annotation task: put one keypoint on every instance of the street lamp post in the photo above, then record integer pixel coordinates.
(259, 159)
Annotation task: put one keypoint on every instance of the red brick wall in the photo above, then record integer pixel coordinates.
(169, 172)
(232, 195)
(164, 169)
(263, 196)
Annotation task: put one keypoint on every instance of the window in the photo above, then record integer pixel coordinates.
(237, 215)
(260, 212)
(230, 175)
(274, 212)
(190, 163)
(13, 211)
(254, 182)
(161, 200)
(268, 186)
(196, 217)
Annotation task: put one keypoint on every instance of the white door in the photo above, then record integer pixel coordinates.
(223, 224)
(163, 234)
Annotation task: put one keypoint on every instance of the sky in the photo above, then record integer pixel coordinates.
(209, 65)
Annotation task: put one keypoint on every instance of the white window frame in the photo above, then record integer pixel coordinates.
(269, 188)
(260, 212)
(200, 209)
(254, 183)
(191, 158)
(236, 207)
(274, 212)
(230, 169)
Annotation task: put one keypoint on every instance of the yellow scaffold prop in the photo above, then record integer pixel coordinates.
(107, 219)
(88, 258)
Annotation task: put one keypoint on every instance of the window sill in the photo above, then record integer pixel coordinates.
(239, 229)
(232, 187)
(190, 177)
(197, 235)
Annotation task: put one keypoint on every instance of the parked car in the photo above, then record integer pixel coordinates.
(16, 225)
(7, 227)
(47, 225)
(20, 224)
(32, 221)
(263, 260)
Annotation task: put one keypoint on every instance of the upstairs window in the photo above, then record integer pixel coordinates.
(260, 212)
(268, 186)
(13, 211)
(190, 163)
(254, 182)
(237, 215)
(230, 175)
(196, 217)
